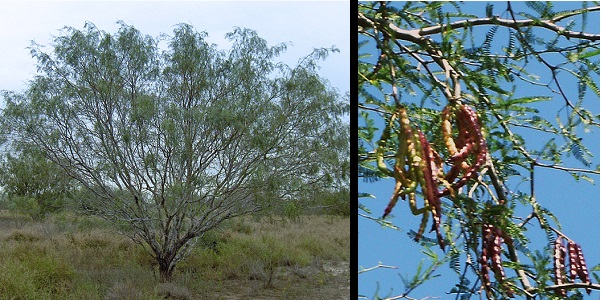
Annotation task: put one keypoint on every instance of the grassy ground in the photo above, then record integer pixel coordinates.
(75, 257)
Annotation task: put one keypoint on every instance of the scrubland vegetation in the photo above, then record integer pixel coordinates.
(70, 256)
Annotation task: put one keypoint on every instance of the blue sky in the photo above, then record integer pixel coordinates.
(306, 25)
(576, 205)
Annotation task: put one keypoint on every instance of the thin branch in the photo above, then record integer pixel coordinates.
(574, 285)
(565, 97)
(532, 127)
(380, 221)
(495, 181)
(443, 87)
(527, 219)
(380, 265)
(374, 109)
(562, 168)
(528, 289)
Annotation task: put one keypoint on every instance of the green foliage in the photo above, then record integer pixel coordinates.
(33, 184)
(338, 203)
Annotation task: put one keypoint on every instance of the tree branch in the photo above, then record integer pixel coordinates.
(417, 35)
(380, 265)
(574, 285)
(562, 168)
(494, 20)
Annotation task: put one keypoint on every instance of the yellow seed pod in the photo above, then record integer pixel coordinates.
(422, 226)
(447, 131)
(406, 153)
(381, 149)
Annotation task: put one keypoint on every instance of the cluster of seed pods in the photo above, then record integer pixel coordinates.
(577, 265)
(418, 164)
(468, 143)
(492, 242)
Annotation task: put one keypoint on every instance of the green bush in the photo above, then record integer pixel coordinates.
(37, 277)
(29, 206)
(337, 203)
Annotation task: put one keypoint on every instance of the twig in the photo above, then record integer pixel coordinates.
(558, 167)
(380, 265)
(374, 109)
(527, 219)
(574, 285)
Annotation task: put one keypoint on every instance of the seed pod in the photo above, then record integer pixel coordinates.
(485, 268)
(382, 147)
(447, 131)
(406, 149)
(492, 241)
(497, 265)
(430, 173)
(406, 182)
(393, 200)
(474, 126)
(474, 143)
(486, 241)
(574, 261)
(582, 271)
(559, 257)
(479, 143)
(457, 156)
(422, 227)
(464, 138)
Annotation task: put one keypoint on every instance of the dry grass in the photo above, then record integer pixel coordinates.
(76, 257)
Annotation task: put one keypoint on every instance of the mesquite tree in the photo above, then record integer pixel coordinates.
(174, 142)
(447, 96)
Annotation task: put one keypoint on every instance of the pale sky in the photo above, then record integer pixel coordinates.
(307, 25)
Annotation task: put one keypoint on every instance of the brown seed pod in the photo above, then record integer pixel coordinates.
(559, 257)
(393, 200)
(474, 127)
(487, 239)
(582, 271)
(472, 142)
(485, 269)
(574, 261)
(492, 242)
(497, 265)
(464, 142)
(430, 188)
(578, 264)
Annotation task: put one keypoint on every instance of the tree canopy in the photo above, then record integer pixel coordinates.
(174, 136)
(463, 105)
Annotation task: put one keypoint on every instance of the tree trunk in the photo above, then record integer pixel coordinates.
(167, 255)
(166, 266)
